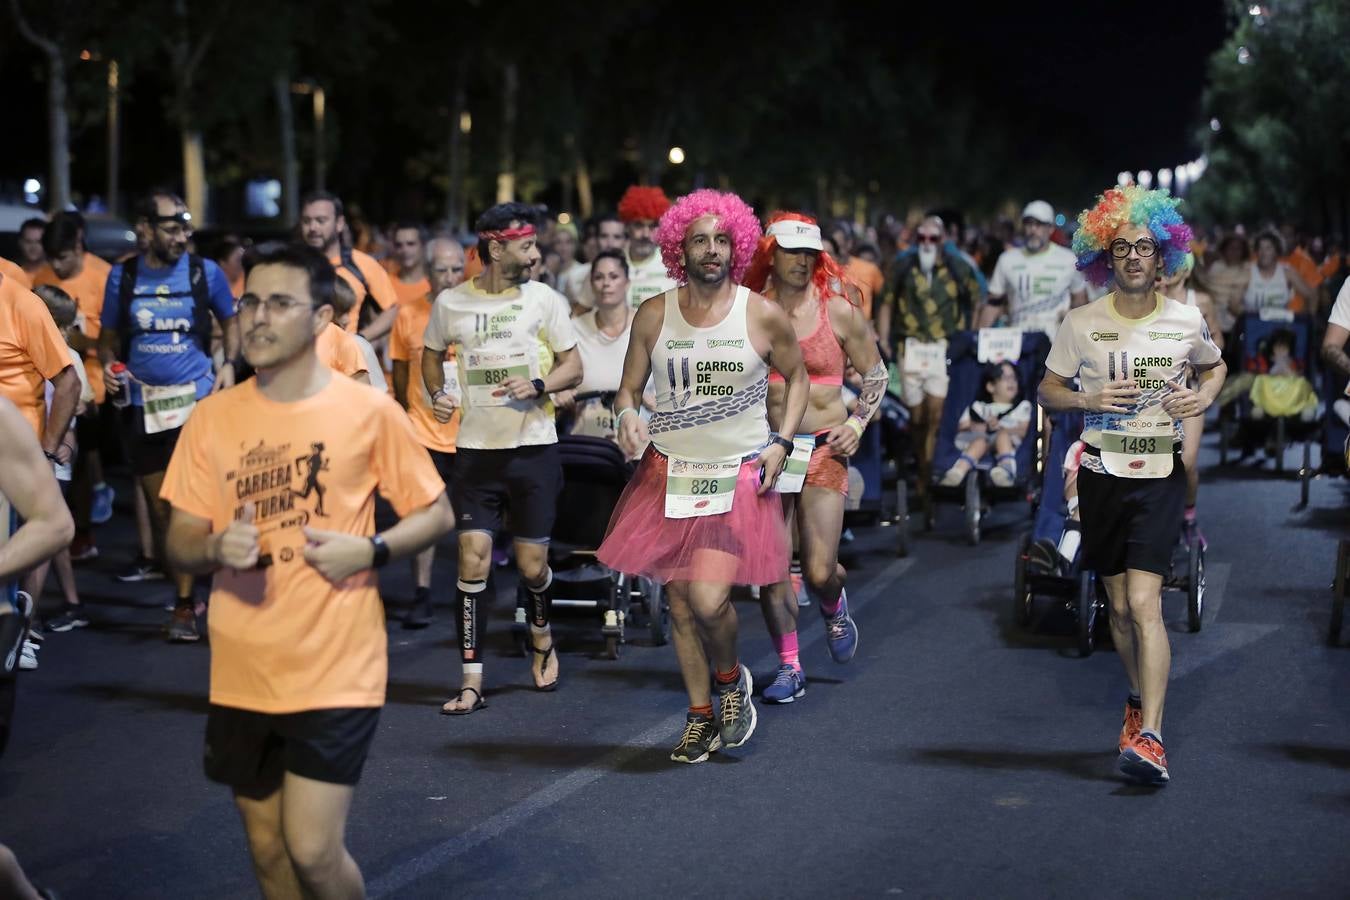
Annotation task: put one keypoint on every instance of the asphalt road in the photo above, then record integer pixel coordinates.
(956, 756)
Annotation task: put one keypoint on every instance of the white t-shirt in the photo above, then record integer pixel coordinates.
(1038, 286)
(647, 278)
(373, 369)
(1340, 310)
(576, 285)
(996, 415)
(527, 326)
(602, 367)
(1097, 344)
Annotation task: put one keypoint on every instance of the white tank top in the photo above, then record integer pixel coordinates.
(1190, 297)
(710, 386)
(1265, 292)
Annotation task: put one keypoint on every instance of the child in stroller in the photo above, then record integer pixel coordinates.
(999, 416)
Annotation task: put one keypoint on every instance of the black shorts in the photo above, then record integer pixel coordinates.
(1131, 523)
(246, 749)
(445, 465)
(522, 480)
(150, 453)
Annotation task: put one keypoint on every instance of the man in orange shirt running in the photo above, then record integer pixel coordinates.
(273, 490)
(322, 223)
(862, 273)
(445, 265)
(409, 278)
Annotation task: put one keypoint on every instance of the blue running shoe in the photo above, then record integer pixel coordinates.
(841, 634)
(102, 508)
(787, 686)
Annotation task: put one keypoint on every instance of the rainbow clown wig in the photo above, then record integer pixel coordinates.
(643, 203)
(1155, 210)
(828, 276)
(733, 215)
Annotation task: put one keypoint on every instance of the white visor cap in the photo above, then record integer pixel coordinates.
(793, 235)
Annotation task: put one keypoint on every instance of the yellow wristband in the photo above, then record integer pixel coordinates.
(857, 426)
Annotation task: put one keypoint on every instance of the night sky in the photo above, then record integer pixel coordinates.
(1077, 87)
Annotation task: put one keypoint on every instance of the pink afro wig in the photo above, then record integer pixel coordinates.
(733, 214)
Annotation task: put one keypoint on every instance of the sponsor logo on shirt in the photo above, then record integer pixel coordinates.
(679, 345)
(1105, 335)
(1164, 335)
(714, 343)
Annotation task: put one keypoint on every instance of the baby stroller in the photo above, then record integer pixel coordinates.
(977, 493)
(594, 475)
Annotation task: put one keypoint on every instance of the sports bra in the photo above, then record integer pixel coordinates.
(821, 352)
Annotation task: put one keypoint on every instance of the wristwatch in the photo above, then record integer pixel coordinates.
(538, 386)
(381, 552)
(781, 441)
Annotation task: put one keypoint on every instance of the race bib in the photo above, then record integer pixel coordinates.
(484, 373)
(167, 407)
(1275, 314)
(695, 489)
(925, 358)
(1140, 447)
(999, 345)
(793, 477)
(594, 418)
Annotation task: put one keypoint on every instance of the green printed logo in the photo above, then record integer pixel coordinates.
(1164, 335)
(679, 345)
(714, 343)
(1105, 335)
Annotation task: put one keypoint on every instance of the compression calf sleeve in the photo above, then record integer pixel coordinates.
(470, 624)
(541, 600)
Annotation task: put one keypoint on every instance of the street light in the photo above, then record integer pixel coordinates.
(676, 155)
(1124, 179)
(1145, 178)
(1165, 178)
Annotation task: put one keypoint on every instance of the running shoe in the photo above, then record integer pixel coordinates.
(82, 548)
(736, 710)
(700, 738)
(1130, 728)
(28, 656)
(73, 616)
(1145, 760)
(13, 626)
(183, 626)
(841, 633)
(788, 685)
(420, 614)
(101, 510)
(143, 568)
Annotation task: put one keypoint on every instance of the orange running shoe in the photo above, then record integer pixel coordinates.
(1145, 760)
(1130, 728)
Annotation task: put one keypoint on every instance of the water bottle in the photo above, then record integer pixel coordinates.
(123, 396)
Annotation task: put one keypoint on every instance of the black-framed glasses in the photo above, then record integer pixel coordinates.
(248, 304)
(1145, 247)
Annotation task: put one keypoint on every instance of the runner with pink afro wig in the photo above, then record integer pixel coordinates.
(734, 215)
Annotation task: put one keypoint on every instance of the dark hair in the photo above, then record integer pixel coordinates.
(409, 226)
(501, 216)
(62, 233)
(993, 372)
(59, 304)
(606, 217)
(1232, 239)
(148, 206)
(37, 223)
(1276, 241)
(321, 273)
(319, 196)
(226, 244)
(616, 255)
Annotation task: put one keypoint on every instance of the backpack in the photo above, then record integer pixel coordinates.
(201, 303)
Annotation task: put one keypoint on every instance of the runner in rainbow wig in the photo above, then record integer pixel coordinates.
(824, 307)
(1155, 210)
(699, 514)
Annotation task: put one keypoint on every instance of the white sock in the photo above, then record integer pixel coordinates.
(1068, 543)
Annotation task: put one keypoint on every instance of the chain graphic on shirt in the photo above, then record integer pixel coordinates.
(678, 399)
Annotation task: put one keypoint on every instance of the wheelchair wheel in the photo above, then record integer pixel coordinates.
(1338, 593)
(902, 537)
(657, 611)
(1281, 439)
(1195, 587)
(1305, 474)
(1022, 593)
(973, 507)
(1087, 614)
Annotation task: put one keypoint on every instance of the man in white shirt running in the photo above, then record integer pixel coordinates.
(1035, 284)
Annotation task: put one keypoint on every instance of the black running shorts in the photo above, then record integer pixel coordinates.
(524, 481)
(253, 750)
(445, 466)
(1131, 523)
(150, 453)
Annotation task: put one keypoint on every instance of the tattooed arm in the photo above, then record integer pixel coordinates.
(1333, 349)
(859, 344)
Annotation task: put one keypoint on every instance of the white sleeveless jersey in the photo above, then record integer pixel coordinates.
(1263, 293)
(710, 384)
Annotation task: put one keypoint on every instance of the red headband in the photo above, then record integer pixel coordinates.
(508, 234)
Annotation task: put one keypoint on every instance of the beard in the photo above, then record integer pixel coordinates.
(710, 277)
(927, 258)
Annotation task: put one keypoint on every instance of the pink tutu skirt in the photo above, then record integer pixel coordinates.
(748, 545)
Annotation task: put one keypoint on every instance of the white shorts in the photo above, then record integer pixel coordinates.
(914, 386)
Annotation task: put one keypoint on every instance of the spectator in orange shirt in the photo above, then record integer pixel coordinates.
(867, 276)
(31, 258)
(322, 225)
(445, 265)
(273, 489)
(410, 276)
(1302, 262)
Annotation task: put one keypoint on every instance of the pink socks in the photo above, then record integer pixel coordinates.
(787, 650)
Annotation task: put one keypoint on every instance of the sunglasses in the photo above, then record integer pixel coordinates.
(929, 239)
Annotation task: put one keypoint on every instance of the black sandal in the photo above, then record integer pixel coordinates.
(545, 653)
(478, 703)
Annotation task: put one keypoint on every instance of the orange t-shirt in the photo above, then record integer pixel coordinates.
(15, 271)
(405, 343)
(283, 638)
(339, 351)
(868, 278)
(381, 289)
(406, 292)
(32, 351)
(1302, 263)
(86, 289)
(237, 286)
